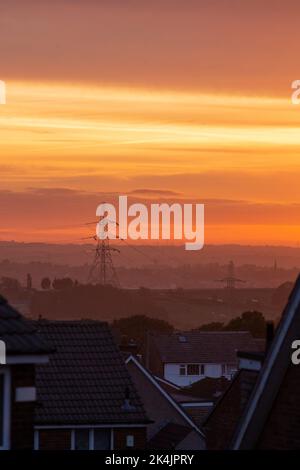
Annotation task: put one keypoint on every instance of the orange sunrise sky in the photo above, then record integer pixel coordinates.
(165, 100)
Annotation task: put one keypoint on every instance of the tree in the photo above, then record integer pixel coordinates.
(9, 283)
(281, 294)
(45, 283)
(213, 326)
(136, 327)
(252, 321)
(61, 284)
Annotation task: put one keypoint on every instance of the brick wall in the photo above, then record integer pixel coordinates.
(198, 414)
(60, 439)
(120, 435)
(54, 439)
(221, 424)
(282, 429)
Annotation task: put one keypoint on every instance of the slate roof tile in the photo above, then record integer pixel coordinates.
(86, 379)
(203, 346)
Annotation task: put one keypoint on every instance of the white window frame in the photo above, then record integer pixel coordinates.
(91, 438)
(5, 371)
(185, 367)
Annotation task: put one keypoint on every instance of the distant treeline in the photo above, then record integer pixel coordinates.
(155, 276)
(92, 301)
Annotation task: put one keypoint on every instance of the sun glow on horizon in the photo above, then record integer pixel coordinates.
(94, 137)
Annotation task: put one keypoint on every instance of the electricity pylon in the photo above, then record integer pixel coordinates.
(230, 281)
(102, 270)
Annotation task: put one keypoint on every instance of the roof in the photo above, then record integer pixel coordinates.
(170, 387)
(162, 390)
(203, 346)
(198, 392)
(184, 398)
(18, 333)
(208, 388)
(272, 416)
(220, 423)
(86, 380)
(169, 436)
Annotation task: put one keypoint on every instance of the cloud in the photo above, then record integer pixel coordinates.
(56, 192)
(140, 42)
(49, 207)
(154, 192)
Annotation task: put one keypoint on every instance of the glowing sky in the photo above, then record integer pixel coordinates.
(177, 100)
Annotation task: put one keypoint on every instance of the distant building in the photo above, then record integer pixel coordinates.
(187, 357)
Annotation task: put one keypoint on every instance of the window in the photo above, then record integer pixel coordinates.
(102, 439)
(81, 439)
(193, 369)
(91, 439)
(224, 369)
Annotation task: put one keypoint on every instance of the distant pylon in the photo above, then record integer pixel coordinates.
(230, 281)
(102, 270)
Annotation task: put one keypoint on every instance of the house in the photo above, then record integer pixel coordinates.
(86, 398)
(261, 407)
(64, 385)
(171, 425)
(271, 419)
(24, 349)
(220, 424)
(184, 358)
